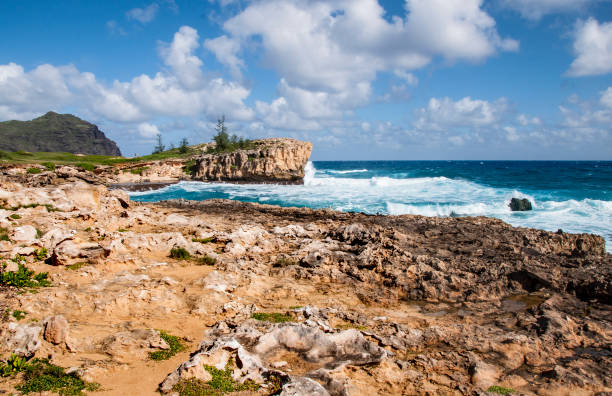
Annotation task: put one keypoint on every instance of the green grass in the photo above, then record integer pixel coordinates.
(179, 253)
(33, 171)
(274, 317)
(39, 234)
(220, 384)
(203, 240)
(4, 237)
(42, 376)
(136, 171)
(122, 230)
(23, 277)
(87, 166)
(76, 266)
(175, 344)
(17, 314)
(15, 216)
(49, 165)
(500, 390)
(207, 260)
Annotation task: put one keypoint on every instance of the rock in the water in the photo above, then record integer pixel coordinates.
(520, 205)
(56, 329)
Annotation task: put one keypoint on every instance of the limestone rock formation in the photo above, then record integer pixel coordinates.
(520, 205)
(272, 161)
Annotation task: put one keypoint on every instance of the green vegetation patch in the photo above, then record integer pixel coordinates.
(190, 167)
(87, 166)
(346, 326)
(500, 390)
(17, 314)
(224, 143)
(42, 376)
(136, 171)
(4, 237)
(175, 344)
(33, 171)
(76, 266)
(23, 277)
(15, 364)
(49, 165)
(274, 317)
(179, 253)
(207, 260)
(41, 254)
(220, 384)
(15, 216)
(203, 240)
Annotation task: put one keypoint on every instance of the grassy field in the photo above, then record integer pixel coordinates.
(48, 159)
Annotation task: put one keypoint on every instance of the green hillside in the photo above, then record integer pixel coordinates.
(56, 133)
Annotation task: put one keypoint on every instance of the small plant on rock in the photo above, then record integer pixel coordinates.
(179, 253)
(33, 171)
(274, 317)
(17, 314)
(175, 344)
(500, 390)
(42, 376)
(41, 254)
(49, 165)
(15, 364)
(23, 277)
(15, 216)
(207, 260)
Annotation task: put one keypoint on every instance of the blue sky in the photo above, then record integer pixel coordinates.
(361, 79)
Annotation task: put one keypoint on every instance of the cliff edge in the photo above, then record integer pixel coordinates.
(275, 160)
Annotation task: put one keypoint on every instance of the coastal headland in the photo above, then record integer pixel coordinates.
(222, 296)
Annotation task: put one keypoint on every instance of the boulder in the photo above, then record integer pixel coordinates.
(56, 329)
(24, 234)
(520, 205)
(23, 339)
(68, 251)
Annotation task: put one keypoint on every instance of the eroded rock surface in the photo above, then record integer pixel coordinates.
(369, 304)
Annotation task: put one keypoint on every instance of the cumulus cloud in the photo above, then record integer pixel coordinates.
(593, 49)
(148, 130)
(143, 15)
(182, 90)
(445, 113)
(536, 9)
(330, 52)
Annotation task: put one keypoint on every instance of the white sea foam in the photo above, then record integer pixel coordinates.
(344, 172)
(429, 196)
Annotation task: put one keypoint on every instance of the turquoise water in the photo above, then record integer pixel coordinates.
(573, 196)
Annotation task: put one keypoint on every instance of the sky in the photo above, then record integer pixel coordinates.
(360, 79)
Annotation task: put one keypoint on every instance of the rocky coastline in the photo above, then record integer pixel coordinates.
(295, 301)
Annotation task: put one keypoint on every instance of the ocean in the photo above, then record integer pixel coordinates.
(567, 195)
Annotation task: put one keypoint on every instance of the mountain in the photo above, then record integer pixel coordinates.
(56, 132)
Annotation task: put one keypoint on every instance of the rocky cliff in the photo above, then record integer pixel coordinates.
(56, 132)
(272, 160)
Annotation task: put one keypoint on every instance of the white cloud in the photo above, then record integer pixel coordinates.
(114, 28)
(226, 50)
(593, 49)
(606, 98)
(328, 53)
(511, 134)
(148, 130)
(536, 9)
(180, 91)
(143, 15)
(442, 114)
(524, 120)
(179, 56)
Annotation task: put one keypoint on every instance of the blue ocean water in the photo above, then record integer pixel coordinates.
(573, 196)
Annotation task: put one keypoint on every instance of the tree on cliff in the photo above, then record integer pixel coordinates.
(160, 146)
(226, 143)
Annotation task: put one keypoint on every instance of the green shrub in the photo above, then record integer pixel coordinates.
(23, 277)
(183, 146)
(179, 253)
(4, 237)
(274, 317)
(42, 376)
(39, 234)
(224, 143)
(175, 344)
(17, 314)
(220, 384)
(33, 171)
(86, 166)
(207, 260)
(41, 254)
(15, 364)
(190, 167)
(49, 165)
(15, 216)
(500, 390)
